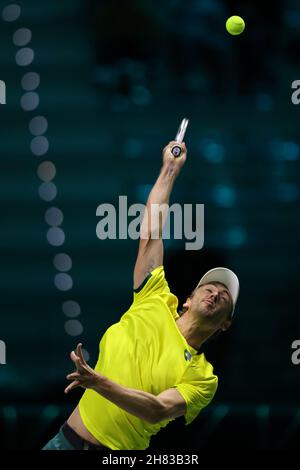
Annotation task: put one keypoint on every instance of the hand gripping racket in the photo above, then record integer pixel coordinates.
(176, 150)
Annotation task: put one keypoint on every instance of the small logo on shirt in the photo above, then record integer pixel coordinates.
(187, 355)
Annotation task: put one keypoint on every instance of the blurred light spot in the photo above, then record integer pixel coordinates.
(284, 150)
(119, 103)
(262, 411)
(275, 148)
(62, 262)
(236, 236)
(39, 145)
(47, 191)
(71, 308)
(24, 56)
(141, 95)
(263, 102)
(11, 12)
(30, 101)
(73, 327)
(22, 37)
(224, 195)
(105, 74)
(30, 81)
(50, 411)
(212, 151)
(63, 281)
(46, 171)
(290, 151)
(288, 192)
(220, 412)
(38, 125)
(132, 148)
(55, 236)
(9, 413)
(292, 17)
(132, 68)
(54, 216)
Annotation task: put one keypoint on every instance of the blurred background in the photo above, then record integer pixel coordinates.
(95, 90)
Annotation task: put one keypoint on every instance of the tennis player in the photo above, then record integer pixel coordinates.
(150, 368)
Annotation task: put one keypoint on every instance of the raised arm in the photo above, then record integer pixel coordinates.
(150, 253)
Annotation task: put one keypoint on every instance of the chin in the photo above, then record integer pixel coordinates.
(206, 313)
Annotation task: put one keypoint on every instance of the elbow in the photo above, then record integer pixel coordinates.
(153, 419)
(157, 414)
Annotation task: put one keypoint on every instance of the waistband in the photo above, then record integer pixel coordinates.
(77, 441)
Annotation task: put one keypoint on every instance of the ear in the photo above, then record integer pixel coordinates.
(187, 302)
(226, 325)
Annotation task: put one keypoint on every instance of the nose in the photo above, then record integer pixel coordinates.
(214, 295)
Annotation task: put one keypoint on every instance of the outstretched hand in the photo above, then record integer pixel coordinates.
(84, 376)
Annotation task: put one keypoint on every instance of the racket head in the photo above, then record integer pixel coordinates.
(181, 131)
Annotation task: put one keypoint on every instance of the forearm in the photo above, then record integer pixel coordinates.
(137, 402)
(160, 193)
(158, 200)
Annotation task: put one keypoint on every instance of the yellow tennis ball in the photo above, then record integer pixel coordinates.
(235, 25)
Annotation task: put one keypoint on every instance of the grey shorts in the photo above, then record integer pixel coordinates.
(68, 439)
(59, 442)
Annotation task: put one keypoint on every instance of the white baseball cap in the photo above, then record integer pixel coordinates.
(227, 277)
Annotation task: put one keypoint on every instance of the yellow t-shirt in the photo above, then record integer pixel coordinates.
(146, 351)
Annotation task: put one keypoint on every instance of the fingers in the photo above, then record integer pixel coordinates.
(73, 376)
(77, 361)
(180, 144)
(77, 357)
(73, 385)
(74, 358)
(77, 348)
(168, 149)
(81, 366)
(80, 353)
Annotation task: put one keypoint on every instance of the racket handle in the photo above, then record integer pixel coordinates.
(176, 151)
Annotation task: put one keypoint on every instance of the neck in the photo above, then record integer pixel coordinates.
(193, 331)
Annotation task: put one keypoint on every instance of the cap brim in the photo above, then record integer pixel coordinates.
(226, 277)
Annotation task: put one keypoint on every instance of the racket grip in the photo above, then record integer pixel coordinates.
(176, 151)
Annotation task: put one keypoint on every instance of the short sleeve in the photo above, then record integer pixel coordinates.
(197, 392)
(154, 286)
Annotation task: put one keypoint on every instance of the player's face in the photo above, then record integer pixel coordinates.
(212, 301)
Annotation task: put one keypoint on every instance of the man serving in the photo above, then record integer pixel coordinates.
(150, 368)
